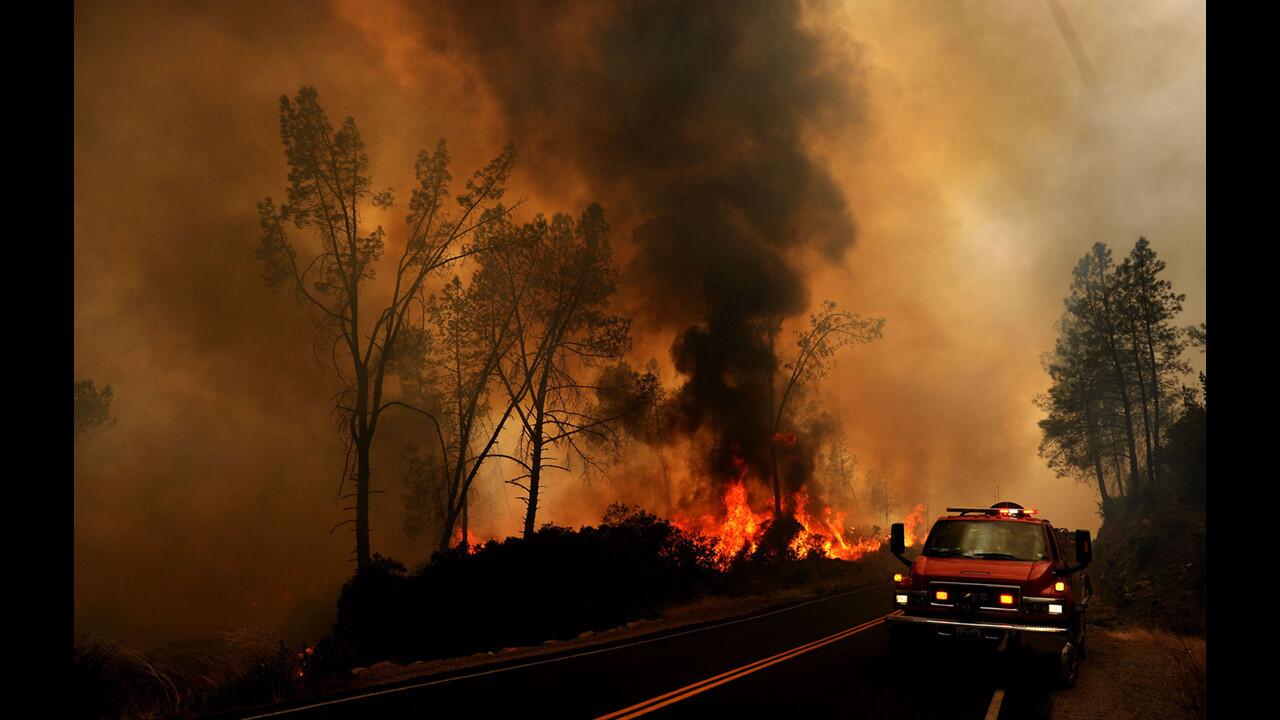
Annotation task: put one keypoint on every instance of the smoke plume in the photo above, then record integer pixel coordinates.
(695, 121)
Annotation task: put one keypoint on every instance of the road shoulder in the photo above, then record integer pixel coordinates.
(1136, 674)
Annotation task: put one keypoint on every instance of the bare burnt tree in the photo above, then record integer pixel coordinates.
(829, 330)
(329, 193)
(562, 330)
(449, 370)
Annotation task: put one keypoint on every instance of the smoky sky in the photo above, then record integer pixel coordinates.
(941, 165)
(697, 115)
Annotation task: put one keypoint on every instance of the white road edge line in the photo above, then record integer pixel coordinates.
(338, 701)
(997, 698)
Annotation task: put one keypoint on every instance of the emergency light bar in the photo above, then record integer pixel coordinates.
(1006, 511)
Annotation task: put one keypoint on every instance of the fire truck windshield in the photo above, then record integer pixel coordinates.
(986, 539)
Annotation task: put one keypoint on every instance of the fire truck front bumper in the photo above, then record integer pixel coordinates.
(1037, 638)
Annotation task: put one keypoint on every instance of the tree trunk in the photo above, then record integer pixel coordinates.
(1092, 430)
(362, 504)
(1121, 382)
(1142, 397)
(1155, 394)
(1134, 484)
(446, 534)
(538, 441)
(457, 496)
(531, 508)
(465, 537)
(777, 481)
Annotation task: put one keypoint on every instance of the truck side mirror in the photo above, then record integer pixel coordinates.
(897, 539)
(1084, 548)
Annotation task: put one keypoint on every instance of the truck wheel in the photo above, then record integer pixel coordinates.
(1068, 665)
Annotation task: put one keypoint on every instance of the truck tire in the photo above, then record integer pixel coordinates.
(1078, 635)
(1067, 665)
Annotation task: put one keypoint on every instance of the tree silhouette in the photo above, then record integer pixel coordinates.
(840, 466)
(329, 190)
(562, 330)
(1115, 369)
(829, 330)
(1156, 344)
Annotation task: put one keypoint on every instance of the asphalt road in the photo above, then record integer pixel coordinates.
(827, 655)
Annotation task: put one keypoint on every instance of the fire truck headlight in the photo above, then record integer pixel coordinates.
(1055, 609)
(900, 599)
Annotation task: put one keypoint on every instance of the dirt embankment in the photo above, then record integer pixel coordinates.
(1150, 565)
(1146, 646)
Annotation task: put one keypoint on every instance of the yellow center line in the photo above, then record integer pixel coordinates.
(993, 711)
(701, 686)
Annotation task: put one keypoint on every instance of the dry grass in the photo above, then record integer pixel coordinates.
(1137, 674)
(246, 666)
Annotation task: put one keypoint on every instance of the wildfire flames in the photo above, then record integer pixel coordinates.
(741, 530)
(825, 534)
(912, 524)
(473, 543)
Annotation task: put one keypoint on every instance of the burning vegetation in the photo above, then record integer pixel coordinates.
(741, 531)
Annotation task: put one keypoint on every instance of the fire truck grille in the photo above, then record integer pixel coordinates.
(970, 597)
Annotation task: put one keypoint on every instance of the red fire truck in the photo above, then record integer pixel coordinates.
(995, 576)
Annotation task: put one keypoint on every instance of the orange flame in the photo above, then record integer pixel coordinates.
(741, 527)
(473, 543)
(911, 529)
(824, 534)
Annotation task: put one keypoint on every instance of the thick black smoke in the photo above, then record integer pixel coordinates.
(693, 122)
